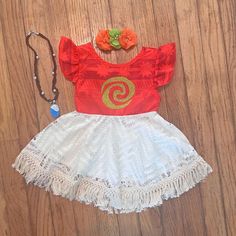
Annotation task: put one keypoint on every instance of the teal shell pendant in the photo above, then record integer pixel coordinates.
(54, 111)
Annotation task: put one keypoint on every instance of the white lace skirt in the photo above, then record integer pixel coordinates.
(120, 164)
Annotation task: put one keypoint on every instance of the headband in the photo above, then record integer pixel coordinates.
(108, 39)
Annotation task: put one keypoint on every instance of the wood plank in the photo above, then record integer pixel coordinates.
(227, 17)
(8, 128)
(221, 105)
(15, 196)
(150, 220)
(200, 100)
(111, 225)
(16, 207)
(108, 224)
(4, 219)
(77, 29)
(63, 221)
(25, 106)
(197, 89)
(227, 11)
(103, 8)
(129, 224)
(177, 103)
(86, 218)
(40, 211)
(19, 77)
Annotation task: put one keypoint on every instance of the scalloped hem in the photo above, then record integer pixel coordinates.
(121, 199)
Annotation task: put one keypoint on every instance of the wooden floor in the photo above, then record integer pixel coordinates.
(200, 100)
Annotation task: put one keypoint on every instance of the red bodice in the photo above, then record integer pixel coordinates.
(105, 88)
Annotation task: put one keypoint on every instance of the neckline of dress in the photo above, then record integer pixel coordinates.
(90, 44)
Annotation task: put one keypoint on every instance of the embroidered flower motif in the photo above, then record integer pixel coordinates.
(103, 40)
(128, 38)
(102, 70)
(146, 69)
(124, 70)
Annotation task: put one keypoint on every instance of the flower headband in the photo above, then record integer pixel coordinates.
(115, 39)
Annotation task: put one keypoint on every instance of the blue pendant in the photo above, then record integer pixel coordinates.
(54, 110)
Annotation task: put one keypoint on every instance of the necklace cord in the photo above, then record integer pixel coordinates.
(36, 74)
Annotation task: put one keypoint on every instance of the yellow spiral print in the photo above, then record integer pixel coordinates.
(125, 87)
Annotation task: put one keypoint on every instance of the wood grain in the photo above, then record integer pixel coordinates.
(200, 110)
(177, 102)
(200, 100)
(221, 104)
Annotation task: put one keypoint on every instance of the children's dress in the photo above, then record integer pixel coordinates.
(114, 151)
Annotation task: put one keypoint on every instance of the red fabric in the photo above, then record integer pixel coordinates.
(116, 89)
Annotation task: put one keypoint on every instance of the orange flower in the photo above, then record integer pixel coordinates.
(128, 38)
(102, 40)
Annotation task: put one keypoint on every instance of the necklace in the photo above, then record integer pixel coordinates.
(54, 108)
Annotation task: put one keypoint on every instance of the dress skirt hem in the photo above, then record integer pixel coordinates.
(122, 199)
(120, 164)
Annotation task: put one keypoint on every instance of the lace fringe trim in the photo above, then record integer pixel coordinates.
(116, 199)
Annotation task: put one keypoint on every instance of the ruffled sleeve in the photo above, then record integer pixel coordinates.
(165, 62)
(69, 59)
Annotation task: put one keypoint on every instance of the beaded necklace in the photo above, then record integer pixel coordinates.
(54, 108)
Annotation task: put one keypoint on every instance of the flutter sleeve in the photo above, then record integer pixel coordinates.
(69, 59)
(165, 62)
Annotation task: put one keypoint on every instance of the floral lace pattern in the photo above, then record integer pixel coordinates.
(117, 171)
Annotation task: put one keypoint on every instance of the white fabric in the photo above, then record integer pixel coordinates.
(118, 163)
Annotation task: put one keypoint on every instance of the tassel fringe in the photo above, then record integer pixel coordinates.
(120, 199)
